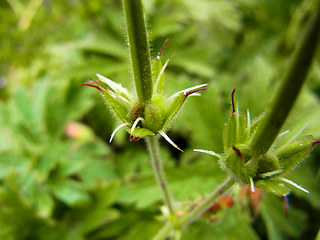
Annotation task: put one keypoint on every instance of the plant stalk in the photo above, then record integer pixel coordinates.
(164, 231)
(205, 204)
(153, 146)
(290, 87)
(202, 207)
(139, 48)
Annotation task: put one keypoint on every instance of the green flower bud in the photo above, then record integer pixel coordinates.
(266, 170)
(268, 163)
(239, 162)
(152, 118)
(145, 117)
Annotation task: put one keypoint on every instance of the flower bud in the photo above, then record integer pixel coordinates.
(148, 116)
(152, 118)
(261, 170)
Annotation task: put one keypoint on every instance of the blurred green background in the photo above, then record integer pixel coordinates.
(59, 176)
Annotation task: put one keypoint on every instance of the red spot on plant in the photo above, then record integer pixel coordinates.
(133, 139)
(73, 130)
(223, 201)
(255, 197)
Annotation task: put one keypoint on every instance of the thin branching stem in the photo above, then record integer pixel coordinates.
(153, 146)
(205, 204)
(164, 231)
(196, 212)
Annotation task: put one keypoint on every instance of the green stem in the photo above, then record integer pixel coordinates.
(139, 48)
(205, 204)
(154, 152)
(164, 231)
(290, 87)
(202, 207)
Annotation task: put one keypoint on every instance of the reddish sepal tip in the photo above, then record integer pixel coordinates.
(159, 55)
(232, 100)
(238, 152)
(194, 91)
(90, 84)
(315, 142)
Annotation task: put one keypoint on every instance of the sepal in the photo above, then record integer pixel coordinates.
(141, 132)
(176, 101)
(274, 186)
(116, 87)
(118, 104)
(293, 154)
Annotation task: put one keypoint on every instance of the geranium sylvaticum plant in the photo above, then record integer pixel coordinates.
(146, 113)
(254, 154)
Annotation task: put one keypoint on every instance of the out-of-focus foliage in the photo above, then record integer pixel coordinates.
(58, 185)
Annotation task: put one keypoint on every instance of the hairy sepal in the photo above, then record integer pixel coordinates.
(294, 153)
(274, 186)
(120, 106)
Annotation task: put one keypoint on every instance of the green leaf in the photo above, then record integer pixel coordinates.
(233, 223)
(141, 230)
(95, 215)
(145, 185)
(70, 192)
(9, 163)
(44, 203)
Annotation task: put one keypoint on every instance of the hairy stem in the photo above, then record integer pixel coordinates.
(202, 207)
(290, 87)
(154, 152)
(164, 231)
(139, 48)
(205, 204)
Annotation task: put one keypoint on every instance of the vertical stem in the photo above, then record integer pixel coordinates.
(290, 86)
(139, 48)
(154, 152)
